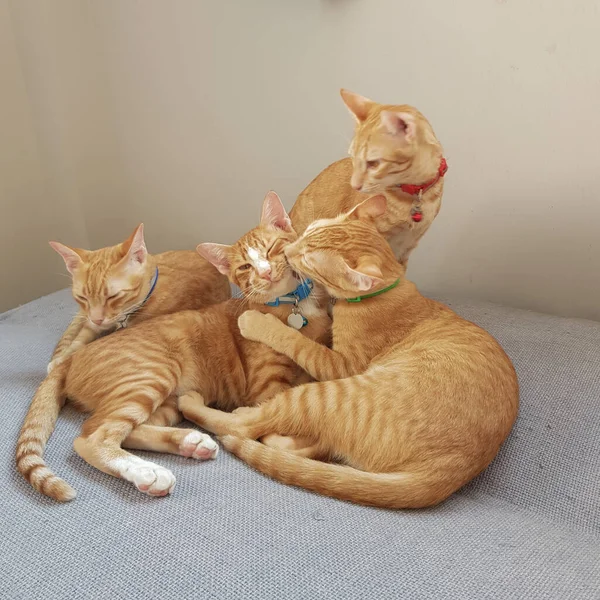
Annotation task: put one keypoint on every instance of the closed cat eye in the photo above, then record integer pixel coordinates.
(115, 295)
(371, 164)
(244, 267)
(81, 298)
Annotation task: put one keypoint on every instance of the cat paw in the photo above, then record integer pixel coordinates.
(151, 479)
(199, 446)
(254, 325)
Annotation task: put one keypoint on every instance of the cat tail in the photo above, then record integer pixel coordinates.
(385, 490)
(37, 429)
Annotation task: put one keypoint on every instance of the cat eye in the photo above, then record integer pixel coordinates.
(271, 248)
(371, 164)
(115, 295)
(244, 267)
(81, 298)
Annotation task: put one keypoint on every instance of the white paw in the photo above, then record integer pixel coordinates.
(199, 446)
(53, 364)
(150, 478)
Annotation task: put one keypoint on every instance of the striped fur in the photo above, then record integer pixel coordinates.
(129, 380)
(380, 160)
(113, 282)
(412, 400)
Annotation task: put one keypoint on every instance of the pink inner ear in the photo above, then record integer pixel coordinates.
(401, 124)
(216, 254)
(137, 251)
(71, 258)
(274, 213)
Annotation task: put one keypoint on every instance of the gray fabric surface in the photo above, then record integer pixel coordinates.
(527, 528)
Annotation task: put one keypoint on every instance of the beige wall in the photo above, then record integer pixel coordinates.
(183, 114)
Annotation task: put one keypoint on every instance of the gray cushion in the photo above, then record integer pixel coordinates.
(527, 528)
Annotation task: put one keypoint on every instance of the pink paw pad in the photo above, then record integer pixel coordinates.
(198, 446)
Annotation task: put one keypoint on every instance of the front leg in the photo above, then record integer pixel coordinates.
(320, 362)
(85, 335)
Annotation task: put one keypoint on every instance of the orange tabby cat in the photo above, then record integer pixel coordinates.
(128, 380)
(414, 400)
(123, 285)
(394, 152)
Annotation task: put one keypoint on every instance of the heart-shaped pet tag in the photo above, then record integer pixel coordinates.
(296, 320)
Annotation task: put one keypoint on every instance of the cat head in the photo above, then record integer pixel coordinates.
(346, 255)
(392, 145)
(109, 282)
(256, 263)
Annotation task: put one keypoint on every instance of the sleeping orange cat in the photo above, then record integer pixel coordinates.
(122, 285)
(394, 152)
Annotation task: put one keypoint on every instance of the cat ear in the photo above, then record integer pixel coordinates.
(400, 124)
(273, 213)
(369, 209)
(216, 254)
(135, 246)
(358, 105)
(72, 256)
(365, 277)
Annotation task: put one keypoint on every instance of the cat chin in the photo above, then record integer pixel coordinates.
(283, 286)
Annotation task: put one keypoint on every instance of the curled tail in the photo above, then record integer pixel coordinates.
(37, 428)
(386, 490)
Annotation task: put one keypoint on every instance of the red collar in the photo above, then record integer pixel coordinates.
(413, 190)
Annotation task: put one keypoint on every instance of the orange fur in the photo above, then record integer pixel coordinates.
(392, 145)
(129, 379)
(110, 283)
(414, 400)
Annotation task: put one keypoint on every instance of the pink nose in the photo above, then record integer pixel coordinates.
(266, 275)
(357, 186)
(98, 321)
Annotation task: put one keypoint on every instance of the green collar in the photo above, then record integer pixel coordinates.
(387, 289)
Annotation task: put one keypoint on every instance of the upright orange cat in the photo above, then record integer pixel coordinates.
(394, 152)
(412, 399)
(122, 285)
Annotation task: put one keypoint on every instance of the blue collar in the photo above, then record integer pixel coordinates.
(152, 286)
(302, 292)
(124, 320)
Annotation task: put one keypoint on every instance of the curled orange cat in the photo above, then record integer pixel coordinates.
(394, 152)
(413, 400)
(122, 285)
(129, 379)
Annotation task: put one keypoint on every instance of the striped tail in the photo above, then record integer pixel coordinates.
(385, 490)
(37, 429)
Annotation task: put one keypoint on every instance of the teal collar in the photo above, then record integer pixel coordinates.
(377, 293)
(302, 292)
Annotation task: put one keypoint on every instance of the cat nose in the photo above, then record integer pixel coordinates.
(357, 186)
(98, 321)
(266, 275)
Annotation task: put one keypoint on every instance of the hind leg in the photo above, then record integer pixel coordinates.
(100, 445)
(172, 440)
(167, 414)
(157, 434)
